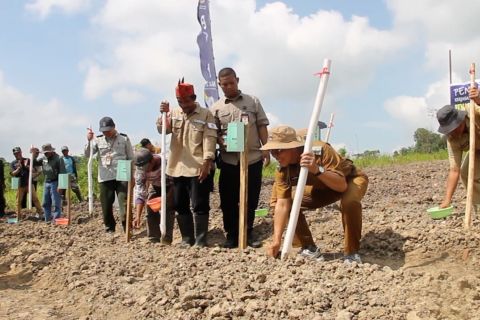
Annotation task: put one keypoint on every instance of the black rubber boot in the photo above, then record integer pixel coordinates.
(201, 230)
(185, 224)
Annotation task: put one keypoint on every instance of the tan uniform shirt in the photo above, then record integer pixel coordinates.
(109, 151)
(194, 137)
(287, 178)
(456, 146)
(229, 110)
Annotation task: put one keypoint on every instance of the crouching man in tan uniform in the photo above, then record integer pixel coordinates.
(330, 178)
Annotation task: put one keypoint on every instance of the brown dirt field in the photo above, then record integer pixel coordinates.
(414, 267)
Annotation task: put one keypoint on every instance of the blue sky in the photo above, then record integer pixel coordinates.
(65, 64)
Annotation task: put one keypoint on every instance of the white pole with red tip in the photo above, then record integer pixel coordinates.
(302, 179)
(90, 178)
(30, 179)
(163, 211)
(330, 125)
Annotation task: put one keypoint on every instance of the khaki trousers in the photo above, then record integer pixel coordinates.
(350, 207)
(21, 192)
(476, 178)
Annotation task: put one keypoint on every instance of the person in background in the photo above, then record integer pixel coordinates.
(148, 185)
(110, 147)
(2, 190)
(20, 168)
(71, 169)
(52, 166)
(147, 144)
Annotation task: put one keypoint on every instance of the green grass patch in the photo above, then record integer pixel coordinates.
(386, 160)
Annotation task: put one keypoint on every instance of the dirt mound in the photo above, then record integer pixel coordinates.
(414, 267)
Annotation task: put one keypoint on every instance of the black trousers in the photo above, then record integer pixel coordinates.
(107, 198)
(189, 189)
(153, 218)
(2, 201)
(229, 188)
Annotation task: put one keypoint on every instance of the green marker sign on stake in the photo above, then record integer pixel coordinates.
(15, 183)
(235, 137)
(124, 170)
(63, 181)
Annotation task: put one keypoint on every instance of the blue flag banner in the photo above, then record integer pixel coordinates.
(459, 94)
(207, 63)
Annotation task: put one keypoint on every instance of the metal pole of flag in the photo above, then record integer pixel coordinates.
(163, 212)
(330, 125)
(302, 179)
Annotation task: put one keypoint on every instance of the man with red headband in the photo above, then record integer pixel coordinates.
(192, 151)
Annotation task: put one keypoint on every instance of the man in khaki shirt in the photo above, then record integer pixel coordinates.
(236, 106)
(192, 151)
(330, 178)
(455, 125)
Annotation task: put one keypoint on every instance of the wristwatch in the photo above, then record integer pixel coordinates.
(320, 171)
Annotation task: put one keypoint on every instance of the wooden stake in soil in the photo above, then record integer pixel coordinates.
(68, 194)
(128, 228)
(243, 208)
(471, 155)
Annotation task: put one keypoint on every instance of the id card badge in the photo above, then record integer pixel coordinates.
(108, 159)
(244, 118)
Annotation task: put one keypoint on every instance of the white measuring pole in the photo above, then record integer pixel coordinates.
(330, 125)
(30, 180)
(302, 179)
(90, 178)
(163, 212)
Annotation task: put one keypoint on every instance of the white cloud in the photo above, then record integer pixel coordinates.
(274, 51)
(125, 96)
(25, 121)
(438, 20)
(419, 112)
(44, 7)
(440, 26)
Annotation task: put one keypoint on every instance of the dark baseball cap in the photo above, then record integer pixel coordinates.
(16, 149)
(64, 148)
(449, 118)
(142, 157)
(106, 124)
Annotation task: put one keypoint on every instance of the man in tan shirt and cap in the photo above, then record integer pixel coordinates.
(330, 178)
(455, 125)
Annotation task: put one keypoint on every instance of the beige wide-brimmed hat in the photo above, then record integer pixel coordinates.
(283, 137)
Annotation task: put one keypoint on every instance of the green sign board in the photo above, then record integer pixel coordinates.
(15, 183)
(124, 170)
(235, 137)
(63, 181)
